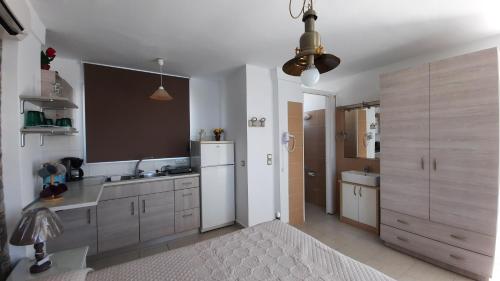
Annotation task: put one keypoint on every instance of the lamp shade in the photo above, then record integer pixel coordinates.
(36, 226)
(161, 94)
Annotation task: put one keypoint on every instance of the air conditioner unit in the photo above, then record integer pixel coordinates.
(9, 21)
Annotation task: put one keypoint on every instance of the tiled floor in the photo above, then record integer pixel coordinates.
(356, 243)
(368, 248)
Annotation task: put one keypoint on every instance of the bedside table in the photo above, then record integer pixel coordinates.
(62, 261)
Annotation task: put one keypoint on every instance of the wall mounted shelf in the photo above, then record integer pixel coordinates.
(50, 103)
(46, 131)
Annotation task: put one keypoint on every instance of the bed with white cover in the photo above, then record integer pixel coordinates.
(268, 251)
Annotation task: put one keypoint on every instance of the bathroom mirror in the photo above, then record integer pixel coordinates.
(362, 132)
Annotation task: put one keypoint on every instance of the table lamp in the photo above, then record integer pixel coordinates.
(35, 228)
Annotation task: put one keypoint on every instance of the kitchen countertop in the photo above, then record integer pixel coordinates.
(87, 192)
(84, 193)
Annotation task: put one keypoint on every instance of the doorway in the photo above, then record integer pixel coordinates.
(319, 149)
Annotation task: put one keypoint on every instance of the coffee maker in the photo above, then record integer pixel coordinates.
(73, 166)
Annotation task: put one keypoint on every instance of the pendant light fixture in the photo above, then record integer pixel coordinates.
(161, 94)
(310, 58)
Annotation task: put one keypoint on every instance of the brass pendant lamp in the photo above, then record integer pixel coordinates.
(161, 94)
(310, 58)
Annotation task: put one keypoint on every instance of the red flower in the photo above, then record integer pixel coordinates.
(51, 52)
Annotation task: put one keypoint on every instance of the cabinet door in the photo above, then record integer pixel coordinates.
(80, 229)
(118, 223)
(368, 206)
(464, 141)
(157, 215)
(404, 161)
(349, 201)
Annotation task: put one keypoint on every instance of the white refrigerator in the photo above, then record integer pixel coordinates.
(214, 160)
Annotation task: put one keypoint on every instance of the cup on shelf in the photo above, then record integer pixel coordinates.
(34, 118)
(64, 122)
(49, 122)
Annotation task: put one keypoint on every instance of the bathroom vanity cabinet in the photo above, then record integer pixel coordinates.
(359, 205)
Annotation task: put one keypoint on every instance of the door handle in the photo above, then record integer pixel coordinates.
(360, 188)
(132, 207)
(458, 237)
(402, 221)
(434, 164)
(144, 206)
(354, 191)
(187, 194)
(88, 217)
(402, 239)
(422, 164)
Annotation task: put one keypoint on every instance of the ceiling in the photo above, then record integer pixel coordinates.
(202, 38)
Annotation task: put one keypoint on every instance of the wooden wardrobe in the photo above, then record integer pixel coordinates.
(440, 161)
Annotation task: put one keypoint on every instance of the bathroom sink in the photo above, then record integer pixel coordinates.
(360, 177)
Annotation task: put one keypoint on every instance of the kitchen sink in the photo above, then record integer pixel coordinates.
(143, 175)
(360, 177)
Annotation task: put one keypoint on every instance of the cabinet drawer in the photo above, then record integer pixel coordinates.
(80, 229)
(186, 199)
(187, 183)
(155, 187)
(119, 191)
(457, 257)
(187, 220)
(472, 241)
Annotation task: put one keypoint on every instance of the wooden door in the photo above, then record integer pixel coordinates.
(464, 141)
(349, 201)
(404, 161)
(80, 229)
(295, 164)
(157, 215)
(118, 223)
(368, 208)
(315, 158)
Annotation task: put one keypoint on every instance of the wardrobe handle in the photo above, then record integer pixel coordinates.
(360, 195)
(88, 217)
(434, 164)
(144, 206)
(132, 211)
(458, 237)
(402, 221)
(402, 239)
(355, 191)
(422, 164)
(453, 256)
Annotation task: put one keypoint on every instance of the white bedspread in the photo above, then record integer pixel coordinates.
(269, 251)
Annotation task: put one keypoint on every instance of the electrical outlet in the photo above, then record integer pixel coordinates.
(269, 159)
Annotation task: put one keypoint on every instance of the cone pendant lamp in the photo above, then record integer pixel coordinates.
(161, 94)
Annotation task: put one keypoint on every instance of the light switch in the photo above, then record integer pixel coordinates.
(269, 159)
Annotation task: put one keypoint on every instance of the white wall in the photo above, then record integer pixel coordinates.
(205, 105)
(259, 96)
(234, 124)
(364, 86)
(20, 75)
(314, 102)
(286, 89)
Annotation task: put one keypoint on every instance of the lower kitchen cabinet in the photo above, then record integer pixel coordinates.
(80, 229)
(157, 215)
(118, 223)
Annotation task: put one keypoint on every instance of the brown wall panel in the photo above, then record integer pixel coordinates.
(122, 123)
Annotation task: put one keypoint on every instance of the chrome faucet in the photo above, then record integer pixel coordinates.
(137, 171)
(366, 169)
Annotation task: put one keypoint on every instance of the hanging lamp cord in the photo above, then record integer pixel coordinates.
(161, 75)
(302, 10)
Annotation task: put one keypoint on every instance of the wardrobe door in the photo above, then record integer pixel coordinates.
(404, 161)
(464, 141)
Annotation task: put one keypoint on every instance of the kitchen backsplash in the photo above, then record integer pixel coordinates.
(127, 167)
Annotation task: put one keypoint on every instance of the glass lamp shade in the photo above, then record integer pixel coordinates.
(161, 94)
(310, 76)
(36, 226)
